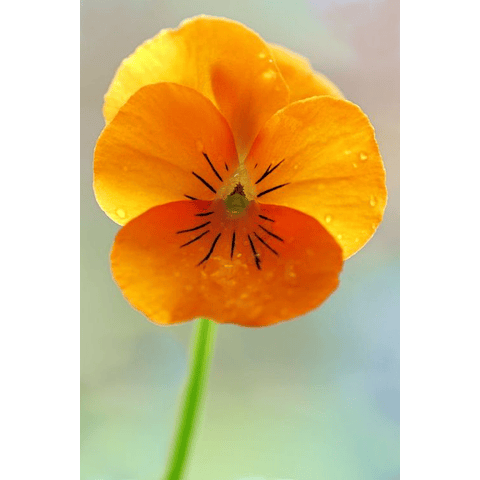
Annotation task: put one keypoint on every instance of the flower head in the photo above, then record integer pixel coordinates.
(241, 177)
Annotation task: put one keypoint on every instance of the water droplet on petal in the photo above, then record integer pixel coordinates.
(339, 236)
(357, 240)
(363, 156)
(355, 165)
(121, 213)
(373, 201)
(269, 75)
(262, 55)
(328, 218)
(348, 152)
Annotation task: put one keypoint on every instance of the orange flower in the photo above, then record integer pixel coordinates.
(243, 178)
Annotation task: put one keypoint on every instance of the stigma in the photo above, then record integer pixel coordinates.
(236, 203)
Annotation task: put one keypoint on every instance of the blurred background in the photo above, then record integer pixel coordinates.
(314, 398)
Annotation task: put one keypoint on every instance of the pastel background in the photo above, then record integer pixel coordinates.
(314, 398)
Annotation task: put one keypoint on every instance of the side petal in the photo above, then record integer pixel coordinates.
(167, 143)
(320, 156)
(301, 79)
(222, 59)
(185, 259)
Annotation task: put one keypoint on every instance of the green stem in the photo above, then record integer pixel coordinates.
(203, 343)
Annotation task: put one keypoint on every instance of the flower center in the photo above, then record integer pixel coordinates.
(239, 183)
(236, 203)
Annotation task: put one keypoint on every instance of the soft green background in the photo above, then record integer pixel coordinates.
(314, 398)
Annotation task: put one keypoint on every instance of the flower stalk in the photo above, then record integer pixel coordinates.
(194, 394)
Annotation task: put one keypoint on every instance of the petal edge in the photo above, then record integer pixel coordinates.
(301, 79)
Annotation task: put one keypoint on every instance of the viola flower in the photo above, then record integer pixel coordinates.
(242, 178)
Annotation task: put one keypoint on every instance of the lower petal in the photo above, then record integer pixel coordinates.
(184, 260)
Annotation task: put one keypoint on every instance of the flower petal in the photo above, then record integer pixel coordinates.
(181, 260)
(222, 59)
(301, 79)
(166, 143)
(331, 167)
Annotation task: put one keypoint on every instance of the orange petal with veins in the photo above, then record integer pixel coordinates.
(330, 167)
(181, 260)
(167, 143)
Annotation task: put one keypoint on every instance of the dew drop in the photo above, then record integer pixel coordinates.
(363, 156)
(328, 218)
(262, 55)
(357, 240)
(121, 213)
(339, 236)
(347, 152)
(373, 201)
(355, 165)
(269, 75)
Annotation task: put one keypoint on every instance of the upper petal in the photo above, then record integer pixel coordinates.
(183, 260)
(222, 59)
(167, 142)
(330, 167)
(301, 79)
